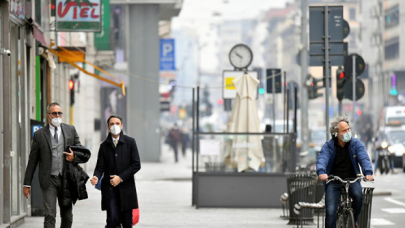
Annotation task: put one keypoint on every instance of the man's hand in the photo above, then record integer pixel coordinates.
(369, 178)
(94, 180)
(26, 191)
(323, 177)
(115, 180)
(70, 156)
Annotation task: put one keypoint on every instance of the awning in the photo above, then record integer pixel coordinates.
(69, 60)
(39, 35)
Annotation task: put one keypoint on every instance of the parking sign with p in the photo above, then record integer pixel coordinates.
(167, 57)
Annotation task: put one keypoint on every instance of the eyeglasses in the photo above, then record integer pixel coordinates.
(56, 113)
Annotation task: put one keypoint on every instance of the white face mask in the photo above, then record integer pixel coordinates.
(56, 121)
(115, 129)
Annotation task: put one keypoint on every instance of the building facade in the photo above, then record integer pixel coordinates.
(23, 78)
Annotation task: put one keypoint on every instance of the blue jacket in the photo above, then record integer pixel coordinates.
(358, 155)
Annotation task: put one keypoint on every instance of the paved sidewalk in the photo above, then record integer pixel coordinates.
(164, 192)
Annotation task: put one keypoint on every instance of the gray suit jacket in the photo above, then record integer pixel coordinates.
(41, 153)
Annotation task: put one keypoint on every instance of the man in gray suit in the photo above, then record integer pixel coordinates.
(48, 150)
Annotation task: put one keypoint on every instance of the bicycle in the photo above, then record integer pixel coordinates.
(345, 215)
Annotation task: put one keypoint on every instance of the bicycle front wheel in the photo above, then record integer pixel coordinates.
(340, 221)
(349, 219)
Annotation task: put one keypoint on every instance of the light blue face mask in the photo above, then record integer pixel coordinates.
(346, 137)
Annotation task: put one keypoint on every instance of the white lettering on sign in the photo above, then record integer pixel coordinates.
(36, 128)
(71, 11)
(167, 48)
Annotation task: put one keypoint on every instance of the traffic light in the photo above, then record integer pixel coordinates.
(261, 91)
(207, 104)
(208, 110)
(393, 90)
(313, 87)
(220, 101)
(340, 83)
(53, 8)
(260, 87)
(72, 91)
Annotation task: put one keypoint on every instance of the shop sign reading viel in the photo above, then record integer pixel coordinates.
(78, 15)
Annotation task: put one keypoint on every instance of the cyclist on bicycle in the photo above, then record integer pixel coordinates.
(341, 157)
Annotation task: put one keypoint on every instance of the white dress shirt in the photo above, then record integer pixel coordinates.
(113, 139)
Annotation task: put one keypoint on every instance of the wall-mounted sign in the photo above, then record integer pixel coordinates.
(210, 147)
(17, 8)
(102, 39)
(167, 55)
(72, 17)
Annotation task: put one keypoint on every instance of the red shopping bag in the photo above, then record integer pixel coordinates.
(135, 216)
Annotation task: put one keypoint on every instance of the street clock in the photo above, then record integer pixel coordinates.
(240, 56)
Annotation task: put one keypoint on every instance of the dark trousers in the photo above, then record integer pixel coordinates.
(332, 194)
(114, 214)
(175, 147)
(53, 192)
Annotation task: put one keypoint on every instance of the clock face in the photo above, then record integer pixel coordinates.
(240, 56)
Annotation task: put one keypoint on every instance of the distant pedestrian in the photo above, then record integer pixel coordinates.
(175, 139)
(118, 160)
(48, 151)
(185, 140)
(271, 152)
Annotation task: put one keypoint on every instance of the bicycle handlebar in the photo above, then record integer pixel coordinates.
(333, 178)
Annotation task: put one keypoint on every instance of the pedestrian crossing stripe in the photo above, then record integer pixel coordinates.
(394, 210)
(380, 222)
(391, 200)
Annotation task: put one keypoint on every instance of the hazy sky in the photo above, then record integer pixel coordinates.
(201, 17)
(229, 9)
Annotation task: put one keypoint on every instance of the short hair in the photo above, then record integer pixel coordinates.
(50, 105)
(113, 116)
(334, 124)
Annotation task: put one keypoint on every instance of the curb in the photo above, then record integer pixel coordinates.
(382, 193)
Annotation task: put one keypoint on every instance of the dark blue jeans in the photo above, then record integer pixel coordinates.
(115, 216)
(332, 194)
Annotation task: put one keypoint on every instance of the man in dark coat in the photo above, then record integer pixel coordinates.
(48, 150)
(175, 139)
(118, 160)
